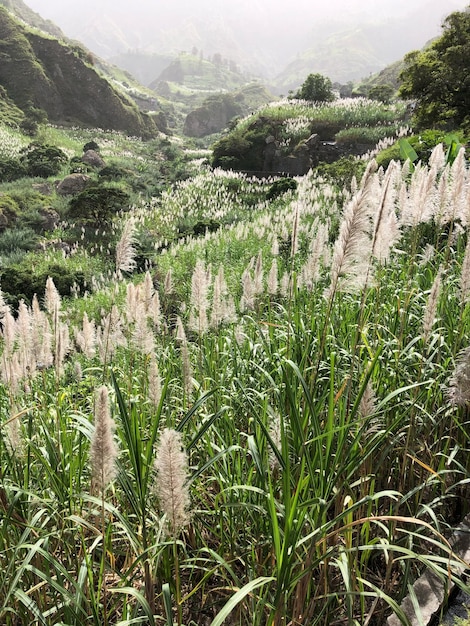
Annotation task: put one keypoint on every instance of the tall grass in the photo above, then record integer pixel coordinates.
(327, 465)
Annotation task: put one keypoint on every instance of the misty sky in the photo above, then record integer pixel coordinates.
(65, 13)
(268, 32)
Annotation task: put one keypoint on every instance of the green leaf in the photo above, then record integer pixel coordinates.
(238, 597)
(407, 152)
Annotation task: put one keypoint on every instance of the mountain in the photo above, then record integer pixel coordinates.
(37, 71)
(357, 52)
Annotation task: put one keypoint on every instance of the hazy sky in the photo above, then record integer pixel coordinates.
(269, 9)
(321, 7)
(270, 31)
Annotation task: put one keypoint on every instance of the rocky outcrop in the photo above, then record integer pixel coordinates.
(91, 157)
(212, 117)
(72, 184)
(49, 218)
(307, 154)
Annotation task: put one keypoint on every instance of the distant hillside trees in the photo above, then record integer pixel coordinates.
(438, 77)
(317, 88)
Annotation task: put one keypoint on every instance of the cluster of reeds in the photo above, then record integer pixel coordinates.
(297, 376)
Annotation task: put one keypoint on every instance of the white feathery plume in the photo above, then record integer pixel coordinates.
(285, 285)
(25, 342)
(155, 312)
(458, 186)
(199, 302)
(258, 275)
(132, 302)
(367, 402)
(109, 336)
(77, 371)
(431, 306)
(295, 230)
(125, 251)
(171, 484)
(444, 209)
(142, 337)
(275, 247)
(247, 301)
(351, 254)
(319, 243)
(437, 160)
(63, 346)
(465, 275)
(386, 229)
(86, 338)
(147, 291)
(52, 301)
(9, 333)
(273, 282)
(154, 382)
(458, 391)
(223, 307)
(103, 450)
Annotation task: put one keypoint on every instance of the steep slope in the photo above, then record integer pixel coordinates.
(22, 10)
(42, 72)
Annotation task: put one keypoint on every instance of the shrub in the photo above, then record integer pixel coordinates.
(8, 212)
(91, 145)
(77, 166)
(111, 172)
(20, 283)
(11, 169)
(43, 161)
(423, 144)
(343, 170)
(281, 186)
(14, 239)
(97, 204)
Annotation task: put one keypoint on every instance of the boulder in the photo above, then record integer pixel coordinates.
(72, 184)
(49, 218)
(91, 157)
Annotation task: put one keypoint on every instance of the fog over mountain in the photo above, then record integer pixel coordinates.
(263, 36)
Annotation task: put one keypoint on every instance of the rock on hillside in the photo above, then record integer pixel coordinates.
(212, 117)
(42, 72)
(218, 110)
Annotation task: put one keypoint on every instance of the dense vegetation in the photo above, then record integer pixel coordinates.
(229, 399)
(439, 76)
(288, 124)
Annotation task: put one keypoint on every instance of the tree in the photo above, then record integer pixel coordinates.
(42, 160)
(382, 93)
(317, 88)
(438, 77)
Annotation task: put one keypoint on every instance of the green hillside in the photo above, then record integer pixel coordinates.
(22, 10)
(39, 72)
